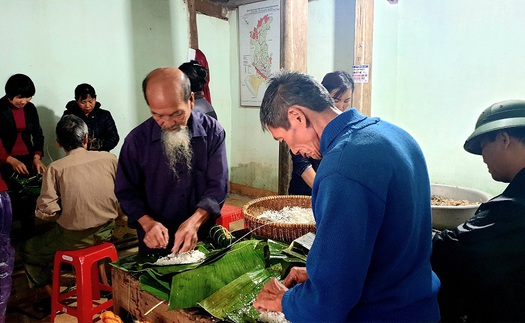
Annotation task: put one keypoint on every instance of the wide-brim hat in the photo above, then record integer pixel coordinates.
(499, 116)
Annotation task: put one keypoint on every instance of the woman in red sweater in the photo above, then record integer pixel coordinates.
(23, 141)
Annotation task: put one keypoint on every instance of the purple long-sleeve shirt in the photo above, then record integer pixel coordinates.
(145, 184)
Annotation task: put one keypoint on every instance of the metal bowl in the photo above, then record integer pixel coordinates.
(449, 217)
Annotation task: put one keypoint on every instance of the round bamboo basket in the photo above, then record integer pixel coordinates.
(276, 230)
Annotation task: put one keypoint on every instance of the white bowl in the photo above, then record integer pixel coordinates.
(449, 217)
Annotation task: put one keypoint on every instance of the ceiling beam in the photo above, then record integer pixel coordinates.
(211, 9)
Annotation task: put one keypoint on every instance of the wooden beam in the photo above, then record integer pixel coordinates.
(211, 9)
(295, 35)
(192, 21)
(294, 41)
(364, 23)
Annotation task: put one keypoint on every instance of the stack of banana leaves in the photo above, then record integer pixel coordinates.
(224, 284)
(25, 186)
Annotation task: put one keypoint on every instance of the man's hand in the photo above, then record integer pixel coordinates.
(18, 166)
(38, 165)
(271, 296)
(296, 276)
(186, 237)
(157, 236)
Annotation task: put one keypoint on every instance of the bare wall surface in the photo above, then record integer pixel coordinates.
(152, 45)
(437, 65)
(217, 51)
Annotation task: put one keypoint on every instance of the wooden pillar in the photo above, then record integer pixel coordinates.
(364, 23)
(294, 39)
(192, 21)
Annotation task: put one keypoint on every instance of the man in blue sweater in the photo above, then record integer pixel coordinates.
(370, 260)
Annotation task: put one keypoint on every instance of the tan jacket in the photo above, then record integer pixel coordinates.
(78, 190)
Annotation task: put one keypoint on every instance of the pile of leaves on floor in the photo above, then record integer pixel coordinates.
(225, 284)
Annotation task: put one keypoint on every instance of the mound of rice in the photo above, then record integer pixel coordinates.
(189, 257)
(273, 317)
(294, 214)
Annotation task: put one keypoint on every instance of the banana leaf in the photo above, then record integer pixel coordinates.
(300, 247)
(234, 301)
(25, 186)
(276, 247)
(141, 263)
(155, 285)
(133, 263)
(190, 287)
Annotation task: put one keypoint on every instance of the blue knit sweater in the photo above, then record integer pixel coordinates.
(370, 260)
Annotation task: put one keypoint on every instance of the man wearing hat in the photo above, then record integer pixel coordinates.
(481, 263)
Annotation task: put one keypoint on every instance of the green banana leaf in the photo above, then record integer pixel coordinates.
(133, 263)
(155, 285)
(190, 287)
(276, 247)
(186, 285)
(234, 301)
(139, 263)
(300, 247)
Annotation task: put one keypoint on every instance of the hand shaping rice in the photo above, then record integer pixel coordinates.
(288, 214)
(189, 257)
(273, 317)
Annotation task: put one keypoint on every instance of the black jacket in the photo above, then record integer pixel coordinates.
(481, 263)
(32, 136)
(299, 164)
(100, 124)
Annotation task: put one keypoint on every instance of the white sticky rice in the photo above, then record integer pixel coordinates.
(273, 317)
(189, 257)
(294, 214)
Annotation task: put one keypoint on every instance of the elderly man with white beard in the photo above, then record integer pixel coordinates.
(172, 176)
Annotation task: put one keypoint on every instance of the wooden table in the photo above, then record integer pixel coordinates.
(128, 296)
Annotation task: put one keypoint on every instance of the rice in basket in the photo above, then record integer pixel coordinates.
(294, 214)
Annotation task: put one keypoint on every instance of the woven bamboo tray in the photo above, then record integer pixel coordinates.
(276, 230)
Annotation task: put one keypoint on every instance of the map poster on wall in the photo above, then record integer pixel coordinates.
(259, 48)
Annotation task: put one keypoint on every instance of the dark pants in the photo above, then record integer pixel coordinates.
(7, 254)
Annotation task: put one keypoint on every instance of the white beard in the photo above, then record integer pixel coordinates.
(177, 148)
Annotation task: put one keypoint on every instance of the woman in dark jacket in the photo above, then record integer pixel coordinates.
(103, 134)
(23, 140)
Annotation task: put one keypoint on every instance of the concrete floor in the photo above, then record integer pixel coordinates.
(22, 298)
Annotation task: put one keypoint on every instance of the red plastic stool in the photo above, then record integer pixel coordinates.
(88, 285)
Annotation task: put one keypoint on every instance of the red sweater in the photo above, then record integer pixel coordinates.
(20, 148)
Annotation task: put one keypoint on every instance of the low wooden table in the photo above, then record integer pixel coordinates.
(128, 296)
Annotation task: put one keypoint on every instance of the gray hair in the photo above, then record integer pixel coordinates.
(71, 132)
(286, 89)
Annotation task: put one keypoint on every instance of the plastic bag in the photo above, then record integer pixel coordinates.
(7, 263)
